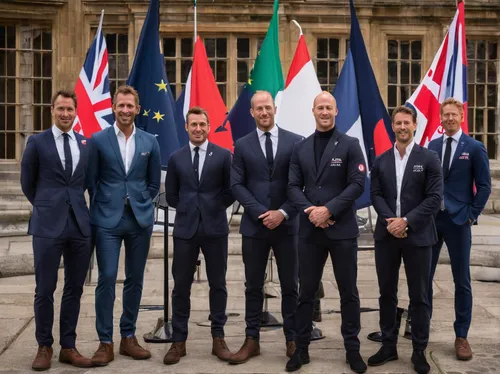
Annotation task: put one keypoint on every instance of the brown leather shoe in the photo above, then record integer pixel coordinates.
(462, 349)
(290, 348)
(130, 347)
(42, 359)
(220, 349)
(73, 357)
(249, 349)
(104, 354)
(174, 354)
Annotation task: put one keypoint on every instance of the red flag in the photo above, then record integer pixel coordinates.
(204, 93)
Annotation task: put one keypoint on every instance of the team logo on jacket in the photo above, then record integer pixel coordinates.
(336, 161)
(418, 168)
(464, 156)
(361, 168)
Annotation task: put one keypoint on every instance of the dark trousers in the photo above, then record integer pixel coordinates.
(313, 252)
(255, 256)
(108, 244)
(417, 261)
(458, 240)
(75, 249)
(185, 255)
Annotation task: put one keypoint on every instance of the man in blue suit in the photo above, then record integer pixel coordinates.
(259, 179)
(406, 192)
(327, 175)
(124, 178)
(198, 186)
(53, 174)
(465, 165)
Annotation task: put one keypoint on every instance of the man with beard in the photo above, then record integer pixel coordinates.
(406, 192)
(327, 175)
(259, 179)
(124, 178)
(465, 165)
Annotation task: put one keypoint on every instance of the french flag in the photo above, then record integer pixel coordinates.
(362, 113)
(201, 90)
(447, 77)
(294, 109)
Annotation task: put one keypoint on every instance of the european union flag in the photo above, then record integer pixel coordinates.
(149, 78)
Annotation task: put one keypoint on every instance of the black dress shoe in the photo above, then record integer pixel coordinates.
(355, 361)
(375, 336)
(420, 363)
(384, 354)
(299, 358)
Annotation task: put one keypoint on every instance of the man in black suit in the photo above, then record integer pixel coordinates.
(259, 179)
(53, 175)
(406, 192)
(327, 175)
(198, 187)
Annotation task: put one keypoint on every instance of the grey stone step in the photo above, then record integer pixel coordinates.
(14, 203)
(15, 215)
(11, 175)
(13, 228)
(10, 188)
(9, 167)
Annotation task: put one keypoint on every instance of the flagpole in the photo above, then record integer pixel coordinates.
(297, 24)
(195, 20)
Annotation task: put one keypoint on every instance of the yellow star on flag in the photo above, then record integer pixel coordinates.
(250, 81)
(146, 112)
(161, 86)
(158, 116)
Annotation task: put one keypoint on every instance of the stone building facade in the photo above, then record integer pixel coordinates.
(43, 45)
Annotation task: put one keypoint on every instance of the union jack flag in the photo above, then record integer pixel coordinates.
(94, 111)
(447, 77)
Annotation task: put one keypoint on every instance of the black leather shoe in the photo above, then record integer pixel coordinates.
(384, 355)
(355, 361)
(375, 336)
(299, 358)
(420, 363)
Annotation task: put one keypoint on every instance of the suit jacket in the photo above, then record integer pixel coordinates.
(470, 166)
(336, 183)
(109, 185)
(207, 199)
(259, 189)
(421, 195)
(44, 184)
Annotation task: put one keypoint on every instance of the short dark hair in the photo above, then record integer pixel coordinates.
(64, 93)
(197, 110)
(126, 90)
(405, 110)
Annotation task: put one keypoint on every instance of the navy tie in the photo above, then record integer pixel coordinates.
(196, 162)
(447, 156)
(68, 158)
(269, 150)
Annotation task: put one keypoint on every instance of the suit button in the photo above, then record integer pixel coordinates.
(68, 202)
(319, 186)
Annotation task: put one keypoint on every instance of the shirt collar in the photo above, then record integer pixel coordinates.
(118, 131)
(408, 150)
(56, 131)
(455, 136)
(203, 147)
(273, 131)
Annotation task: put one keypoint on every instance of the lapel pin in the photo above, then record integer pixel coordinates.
(210, 154)
(84, 142)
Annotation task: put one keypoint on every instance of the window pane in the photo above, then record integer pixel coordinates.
(170, 67)
(492, 95)
(222, 90)
(471, 72)
(2, 119)
(3, 63)
(212, 66)
(491, 146)
(47, 119)
(47, 65)
(322, 71)
(480, 96)
(470, 119)
(210, 47)
(405, 50)
(243, 47)
(481, 72)
(491, 121)
(169, 47)
(471, 49)
(11, 90)
(111, 43)
(3, 36)
(47, 91)
(415, 72)
(334, 48)
(322, 48)
(185, 68)
(37, 92)
(186, 47)
(416, 50)
(492, 50)
(492, 72)
(479, 121)
(11, 146)
(47, 40)
(221, 71)
(122, 43)
(334, 72)
(37, 64)
(392, 96)
(11, 63)
(392, 49)
(112, 66)
(392, 72)
(405, 73)
(3, 89)
(37, 39)
(405, 94)
(481, 50)
(242, 74)
(11, 117)
(471, 92)
(11, 37)
(122, 66)
(221, 47)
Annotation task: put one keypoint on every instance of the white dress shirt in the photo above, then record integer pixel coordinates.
(400, 171)
(73, 145)
(274, 140)
(127, 146)
(202, 152)
(454, 144)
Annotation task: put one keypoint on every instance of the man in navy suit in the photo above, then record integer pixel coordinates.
(53, 175)
(198, 186)
(327, 175)
(465, 165)
(259, 179)
(124, 178)
(406, 192)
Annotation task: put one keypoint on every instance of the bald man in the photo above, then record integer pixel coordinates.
(327, 174)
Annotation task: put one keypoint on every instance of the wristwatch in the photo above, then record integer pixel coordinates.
(406, 220)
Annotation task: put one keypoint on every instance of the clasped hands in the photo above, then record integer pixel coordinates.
(272, 219)
(397, 227)
(319, 216)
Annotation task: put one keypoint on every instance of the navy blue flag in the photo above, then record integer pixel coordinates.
(180, 121)
(149, 78)
(362, 113)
